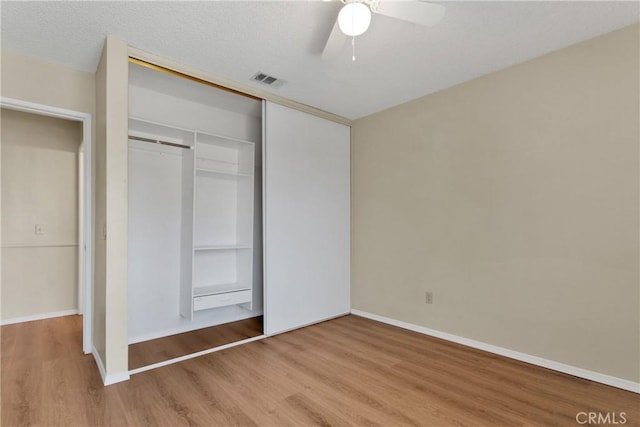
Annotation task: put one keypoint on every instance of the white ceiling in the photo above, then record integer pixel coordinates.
(396, 61)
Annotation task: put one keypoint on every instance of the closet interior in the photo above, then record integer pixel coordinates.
(195, 209)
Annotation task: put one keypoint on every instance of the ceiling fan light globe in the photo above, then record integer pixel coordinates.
(354, 19)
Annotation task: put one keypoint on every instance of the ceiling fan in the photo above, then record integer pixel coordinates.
(355, 16)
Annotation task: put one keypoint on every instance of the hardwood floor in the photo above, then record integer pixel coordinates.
(161, 349)
(347, 371)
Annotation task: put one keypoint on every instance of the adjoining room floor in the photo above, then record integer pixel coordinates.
(161, 349)
(347, 371)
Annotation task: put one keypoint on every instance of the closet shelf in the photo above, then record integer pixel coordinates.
(159, 131)
(213, 173)
(235, 297)
(224, 288)
(217, 139)
(220, 247)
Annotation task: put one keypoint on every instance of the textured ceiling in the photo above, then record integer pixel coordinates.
(396, 61)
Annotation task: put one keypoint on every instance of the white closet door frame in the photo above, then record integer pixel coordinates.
(306, 215)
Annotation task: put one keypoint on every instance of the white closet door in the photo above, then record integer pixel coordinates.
(306, 219)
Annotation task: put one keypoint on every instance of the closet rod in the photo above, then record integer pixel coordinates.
(157, 141)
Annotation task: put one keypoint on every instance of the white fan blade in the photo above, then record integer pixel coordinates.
(415, 11)
(335, 42)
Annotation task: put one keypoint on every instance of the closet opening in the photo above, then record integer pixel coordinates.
(46, 217)
(194, 217)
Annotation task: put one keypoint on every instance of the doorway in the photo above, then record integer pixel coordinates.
(46, 214)
(194, 253)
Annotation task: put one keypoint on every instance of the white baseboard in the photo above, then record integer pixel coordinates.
(96, 357)
(523, 357)
(108, 379)
(116, 378)
(38, 317)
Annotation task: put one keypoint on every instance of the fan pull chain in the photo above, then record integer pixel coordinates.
(353, 48)
(353, 38)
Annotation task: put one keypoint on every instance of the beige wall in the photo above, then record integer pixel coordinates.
(110, 297)
(29, 79)
(514, 199)
(104, 95)
(39, 186)
(32, 80)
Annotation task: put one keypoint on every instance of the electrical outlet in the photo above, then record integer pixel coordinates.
(429, 297)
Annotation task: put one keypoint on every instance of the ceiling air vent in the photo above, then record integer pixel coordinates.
(266, 79)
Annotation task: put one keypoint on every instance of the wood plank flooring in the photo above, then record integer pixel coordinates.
(347, 371)
(161, 349)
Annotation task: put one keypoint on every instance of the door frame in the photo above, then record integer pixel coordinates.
(85, 249)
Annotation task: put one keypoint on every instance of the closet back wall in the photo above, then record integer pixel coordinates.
(154, 301)
(174, 110)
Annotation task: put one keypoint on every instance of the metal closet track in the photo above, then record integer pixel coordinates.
(188, 77)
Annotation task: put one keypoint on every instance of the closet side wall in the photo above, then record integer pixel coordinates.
(110, 295)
